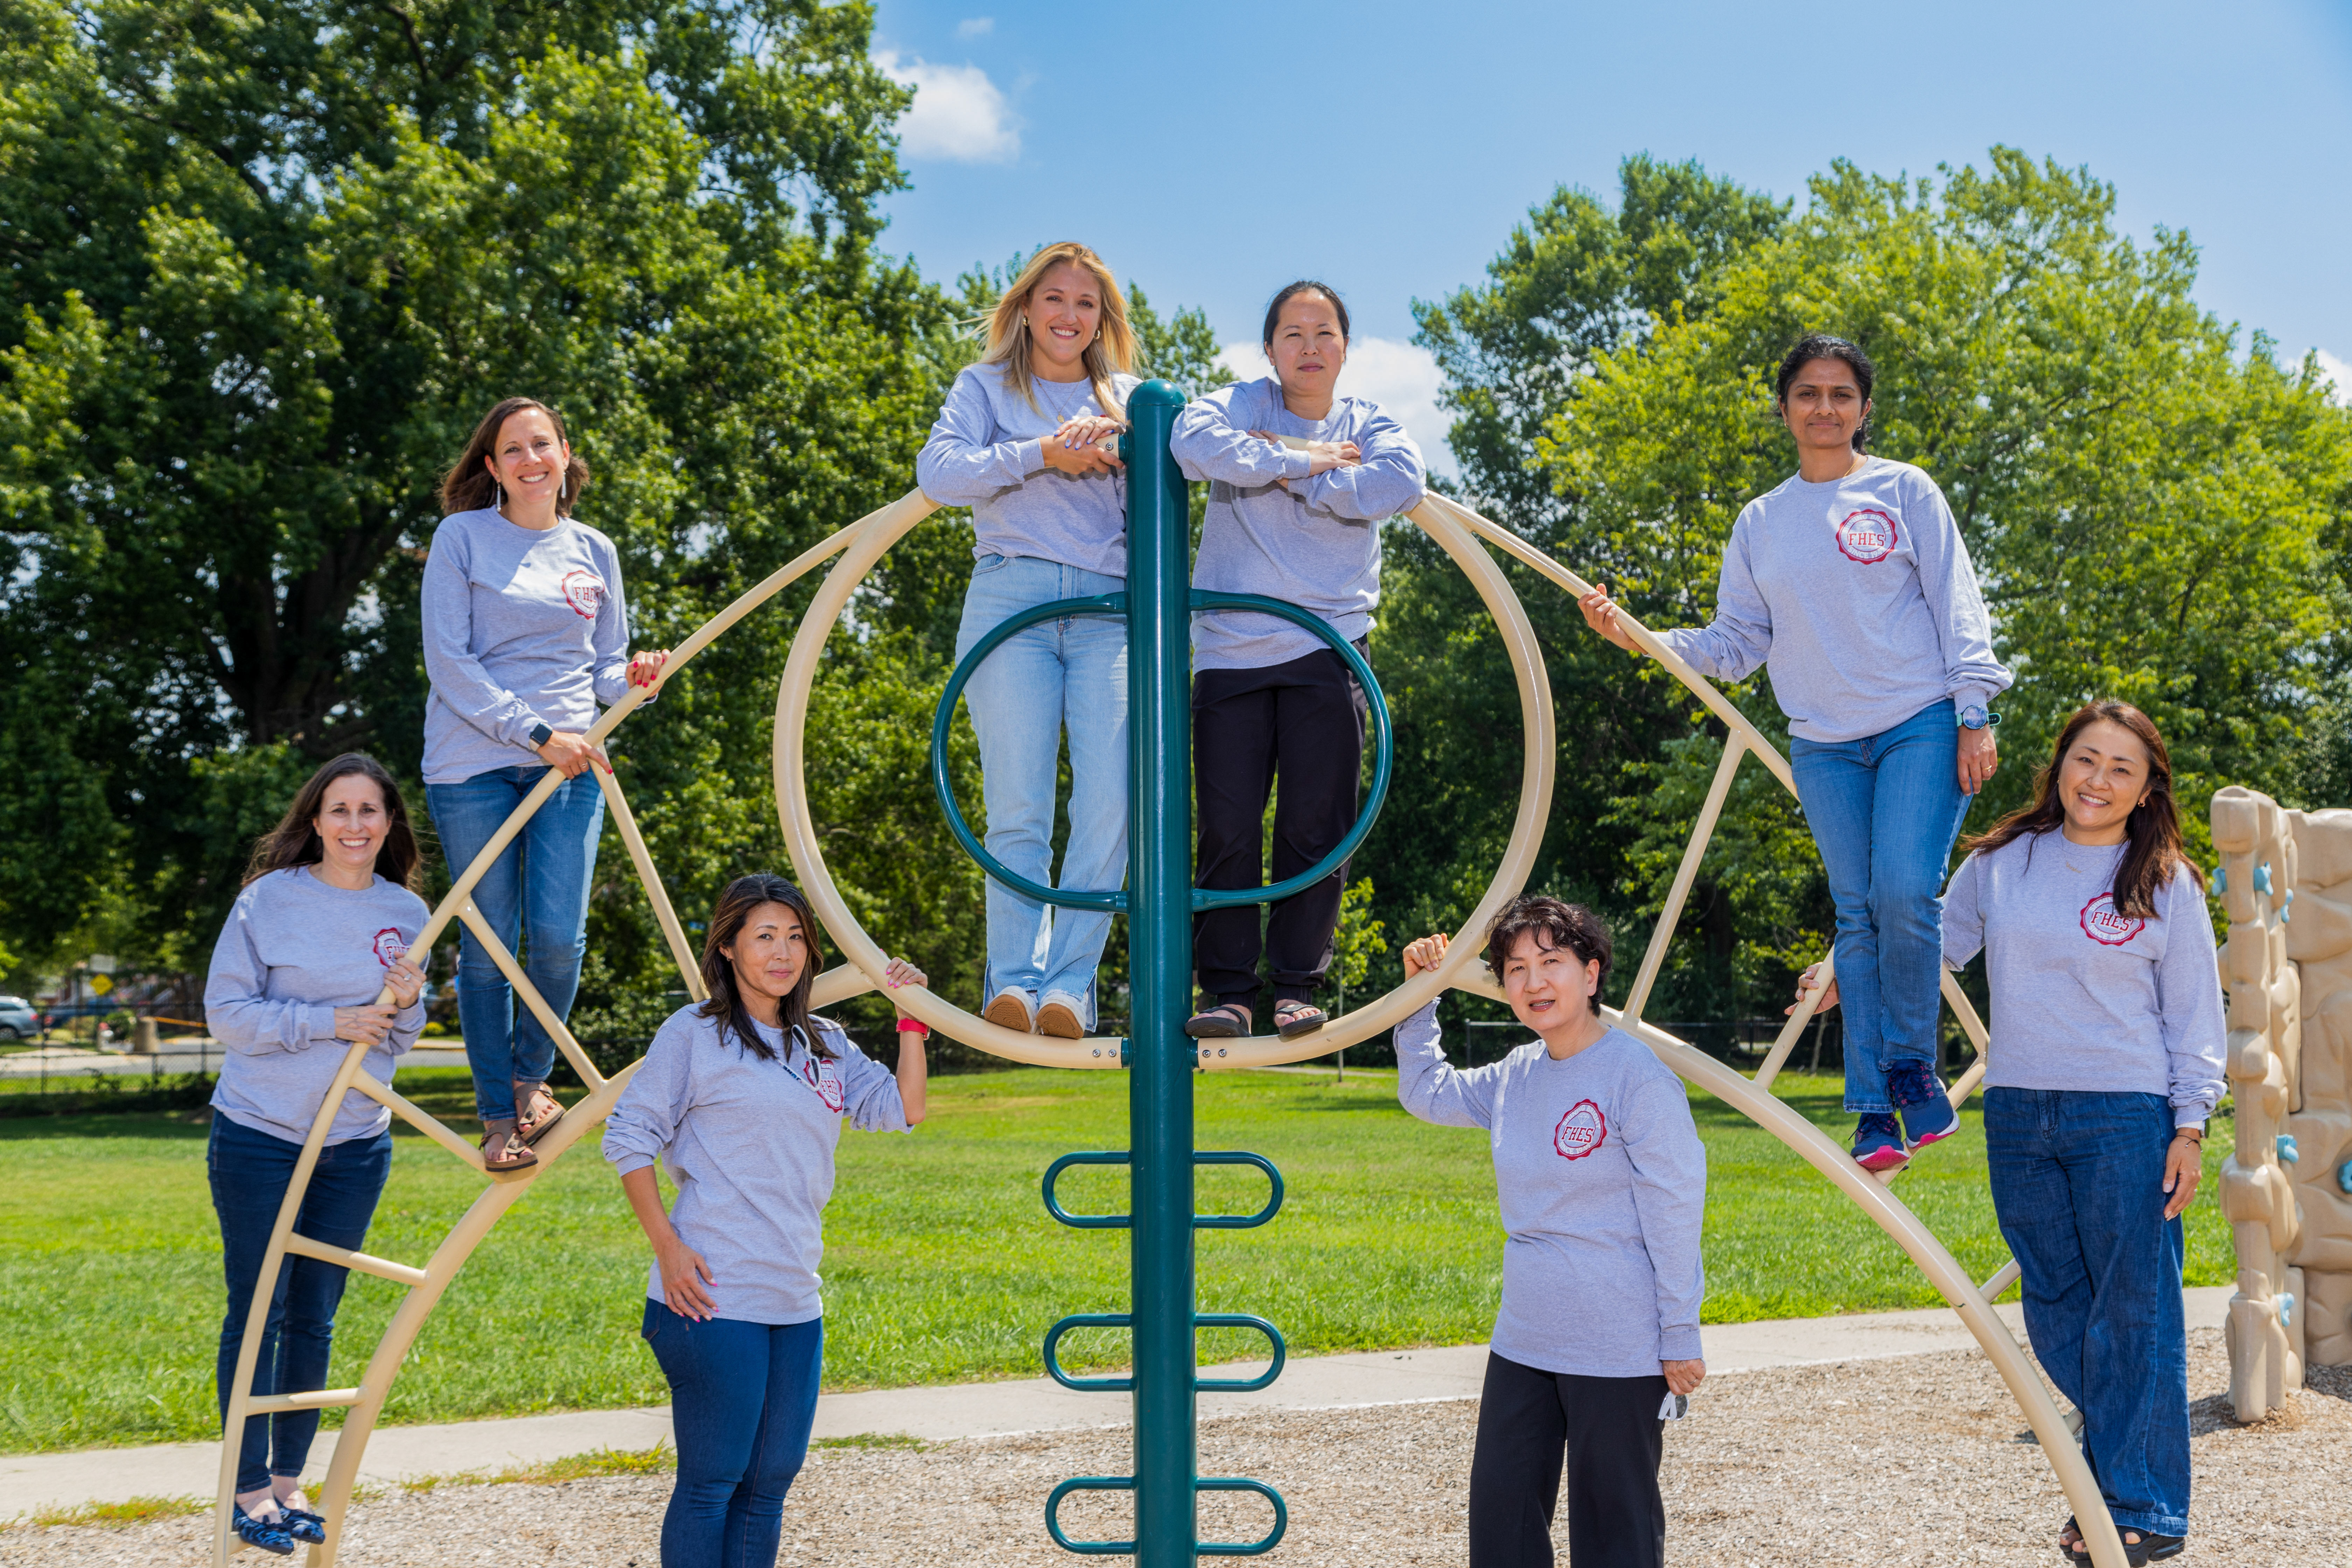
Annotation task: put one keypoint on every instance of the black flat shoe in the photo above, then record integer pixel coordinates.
(267, 1533)
(304, 1525)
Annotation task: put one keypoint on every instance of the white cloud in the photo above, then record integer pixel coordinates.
(2338, 371)
(976, 26)
(958, 114)
(1402, 378)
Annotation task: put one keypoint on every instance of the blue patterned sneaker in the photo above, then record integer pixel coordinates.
(267, 1533)
(302, 1524)
(1878, 1144)
(1919, 1094)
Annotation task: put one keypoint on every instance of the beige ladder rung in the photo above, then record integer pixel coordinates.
(423, 1120)
(383, 1269)
(317, 1399)
(2002, 1278)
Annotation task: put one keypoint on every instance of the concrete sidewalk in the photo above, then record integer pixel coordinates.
(30, 1481)
(57, 1062)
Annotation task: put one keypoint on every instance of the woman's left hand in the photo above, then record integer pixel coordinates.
(645, 669)
(407, 982)
(1090, 430)
(2184, 1167)
(901, 972)
(1683, 1377)
(1980, 758)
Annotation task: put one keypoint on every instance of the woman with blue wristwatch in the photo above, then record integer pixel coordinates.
(1851, 584)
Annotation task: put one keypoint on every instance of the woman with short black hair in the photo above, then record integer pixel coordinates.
(1602, 1185)
(1851, 584)
(319, 933)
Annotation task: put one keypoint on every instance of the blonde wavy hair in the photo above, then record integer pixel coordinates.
(1113, 352)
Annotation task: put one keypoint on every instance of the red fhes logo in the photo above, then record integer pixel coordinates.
(2102, 924)
(389, 945)
(1868, 536)
(584, 592)
(1581, 1132)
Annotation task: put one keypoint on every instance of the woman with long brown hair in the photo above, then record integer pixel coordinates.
(742, 1097)
(319, 933)
(1017, 442)
(2109, 1040)
(525, 634)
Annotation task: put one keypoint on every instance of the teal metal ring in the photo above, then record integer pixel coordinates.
(1241, 1320)
(1230, 1221)
(1086, 1320)
(1099, 1221)
(1110, 901)
(1383, 756)
(1096, 1484)
(1242, 1548)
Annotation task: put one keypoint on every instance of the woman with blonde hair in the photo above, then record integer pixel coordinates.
(1017, 443)
(525, 633)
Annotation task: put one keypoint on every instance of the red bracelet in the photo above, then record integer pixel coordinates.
(913, 1026)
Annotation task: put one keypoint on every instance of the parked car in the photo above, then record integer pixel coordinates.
(16, 1018)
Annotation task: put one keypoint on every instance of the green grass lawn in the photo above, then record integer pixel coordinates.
(941, 1264)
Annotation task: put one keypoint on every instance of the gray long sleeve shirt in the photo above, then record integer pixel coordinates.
(1602, 1185)
(522, 627)
(293, 951)
(1858, 594)
(987, 452)
(2084, 998)
(1271, 530)
(749, 1144)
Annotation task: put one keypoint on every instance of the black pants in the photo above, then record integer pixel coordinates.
(1304, 719)
(1608, 1428)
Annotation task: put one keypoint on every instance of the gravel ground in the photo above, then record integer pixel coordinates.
(1880, 1462)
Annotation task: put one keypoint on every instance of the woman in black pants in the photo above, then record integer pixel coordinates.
(1602, 1183)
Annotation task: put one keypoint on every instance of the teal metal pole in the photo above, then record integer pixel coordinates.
(1159, 938)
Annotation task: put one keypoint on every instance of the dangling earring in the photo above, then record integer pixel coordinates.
(497, 496)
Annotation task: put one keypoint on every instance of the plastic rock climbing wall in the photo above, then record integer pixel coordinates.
(2286, 884)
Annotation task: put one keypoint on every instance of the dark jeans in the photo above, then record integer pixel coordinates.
(1608, 1430)
(743, 1399)
(2078, 1182)
(535, 896)
(1304, 719)
(249, 1173)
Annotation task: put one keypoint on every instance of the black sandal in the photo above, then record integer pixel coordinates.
(1292, 1019)
(1226, 1020)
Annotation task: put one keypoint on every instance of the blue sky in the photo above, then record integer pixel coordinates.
(1213, 150)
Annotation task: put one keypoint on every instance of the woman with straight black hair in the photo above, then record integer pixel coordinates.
(1851, 584)
(526, 633)
(742, 1097)
(2109, 1043)
(1269, 698)
(1602, 1182)
(317, 935)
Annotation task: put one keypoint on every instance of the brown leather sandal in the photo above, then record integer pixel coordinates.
(536, 1112)
(502, 1150)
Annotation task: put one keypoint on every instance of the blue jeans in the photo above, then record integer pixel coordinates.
(537, 890)
(743, 1399)
(1070, 674)
(1885, 810)
(249, 1173)
(2078, 1182)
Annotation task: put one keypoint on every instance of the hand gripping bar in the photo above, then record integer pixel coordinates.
(1111, 901)
(1272, 1539)
(1200, 1221)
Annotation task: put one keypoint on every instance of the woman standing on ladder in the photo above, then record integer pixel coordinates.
(525, 632)
(1851, 584)
(1017, 442)
(1268, 696)
(320, 930)
(2108, 1007)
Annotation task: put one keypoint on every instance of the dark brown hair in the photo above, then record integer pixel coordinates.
(469, 486)
(1555, 924)
(1289, 291)
(728, 918)
(2152, 832)
(295, 842)
(1821, 345)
